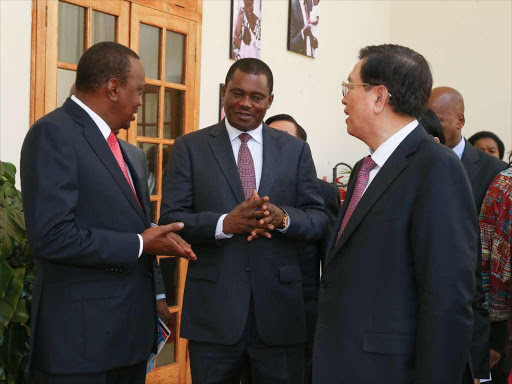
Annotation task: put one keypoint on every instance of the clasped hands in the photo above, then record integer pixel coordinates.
(163, 241)
(255, 217)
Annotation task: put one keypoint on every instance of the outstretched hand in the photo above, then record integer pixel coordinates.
(163, 241)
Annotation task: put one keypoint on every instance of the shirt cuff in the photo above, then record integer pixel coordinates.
(219, 235)
(141, 246)
(160, 296)
(283, 230)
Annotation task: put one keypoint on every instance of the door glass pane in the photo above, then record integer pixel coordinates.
(168, 353)
(71, 32)
(174, 52)
(65, 79)
(169, 269)
(153, 214)
(173, 113)
(147, 119)
(103, 27)
(151, 152)
(149, 43)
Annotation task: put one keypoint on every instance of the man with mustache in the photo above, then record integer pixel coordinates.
(246, 194)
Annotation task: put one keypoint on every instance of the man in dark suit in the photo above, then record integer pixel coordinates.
(311, 252)
(481, 168)
(398, 282)
(300, 38)
(243, 298)
(330, 192)
(86, 206)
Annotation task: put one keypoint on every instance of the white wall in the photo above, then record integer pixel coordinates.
(308, 89)
(15, 40)
(468, 44)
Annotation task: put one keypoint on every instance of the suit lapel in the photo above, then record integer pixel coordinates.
(470, 159)
(396, 163)
(138, 178)
(271, 158)
(99, 145)
(343, 210)
(223, 151)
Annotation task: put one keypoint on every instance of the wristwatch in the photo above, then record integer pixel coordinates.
(285, 220)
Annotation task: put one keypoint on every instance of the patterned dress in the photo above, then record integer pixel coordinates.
(496, 234)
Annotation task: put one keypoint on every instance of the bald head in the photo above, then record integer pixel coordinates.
(448, 105)
(448, 97)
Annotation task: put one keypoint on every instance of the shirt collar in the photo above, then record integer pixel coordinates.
(386, 149)
(459, 148)
(256, 134)
(102, 125)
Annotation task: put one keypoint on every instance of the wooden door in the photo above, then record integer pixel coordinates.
(166, 45)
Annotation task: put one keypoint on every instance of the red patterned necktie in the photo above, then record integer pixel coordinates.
(361, 183)
(246, 166)
(113, 143)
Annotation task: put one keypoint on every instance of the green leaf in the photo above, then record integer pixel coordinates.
(6, 274)
(9, 302)
(12, 228)
(9, 172)
(13, 347)
(21, 314)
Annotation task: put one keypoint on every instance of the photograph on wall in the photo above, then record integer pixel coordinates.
(245, 29)
(222, 114)
(304, 27)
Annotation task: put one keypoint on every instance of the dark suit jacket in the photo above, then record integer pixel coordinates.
(297, 42)
(396, 291)
(481, 168)
(93, 305)
(312, 253)
(201, 184)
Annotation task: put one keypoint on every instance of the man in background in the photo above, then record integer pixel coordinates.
(481, 168)
(247, 195)
(311, 252)
(398, 282)
(86, 206)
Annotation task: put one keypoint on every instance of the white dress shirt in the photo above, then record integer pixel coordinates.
(105, 131)
(386, 149)
(255, 145)
(459, 148)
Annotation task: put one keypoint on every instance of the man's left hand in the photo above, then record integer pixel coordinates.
(272, 221)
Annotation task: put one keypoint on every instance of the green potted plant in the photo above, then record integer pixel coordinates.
(16, 280)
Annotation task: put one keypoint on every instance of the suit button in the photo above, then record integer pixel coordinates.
(324, 284)
(247, 269)
(150, 274)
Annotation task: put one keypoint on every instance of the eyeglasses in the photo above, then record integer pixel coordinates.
(346, 87)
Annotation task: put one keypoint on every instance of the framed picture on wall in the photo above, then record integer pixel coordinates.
(222, 114)
(245, 29)
(304, 27)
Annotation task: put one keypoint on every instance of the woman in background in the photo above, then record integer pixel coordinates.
(488, 142)
(496, 235)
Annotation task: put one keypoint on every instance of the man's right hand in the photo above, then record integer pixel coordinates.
(245, 217)
(164, 242)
